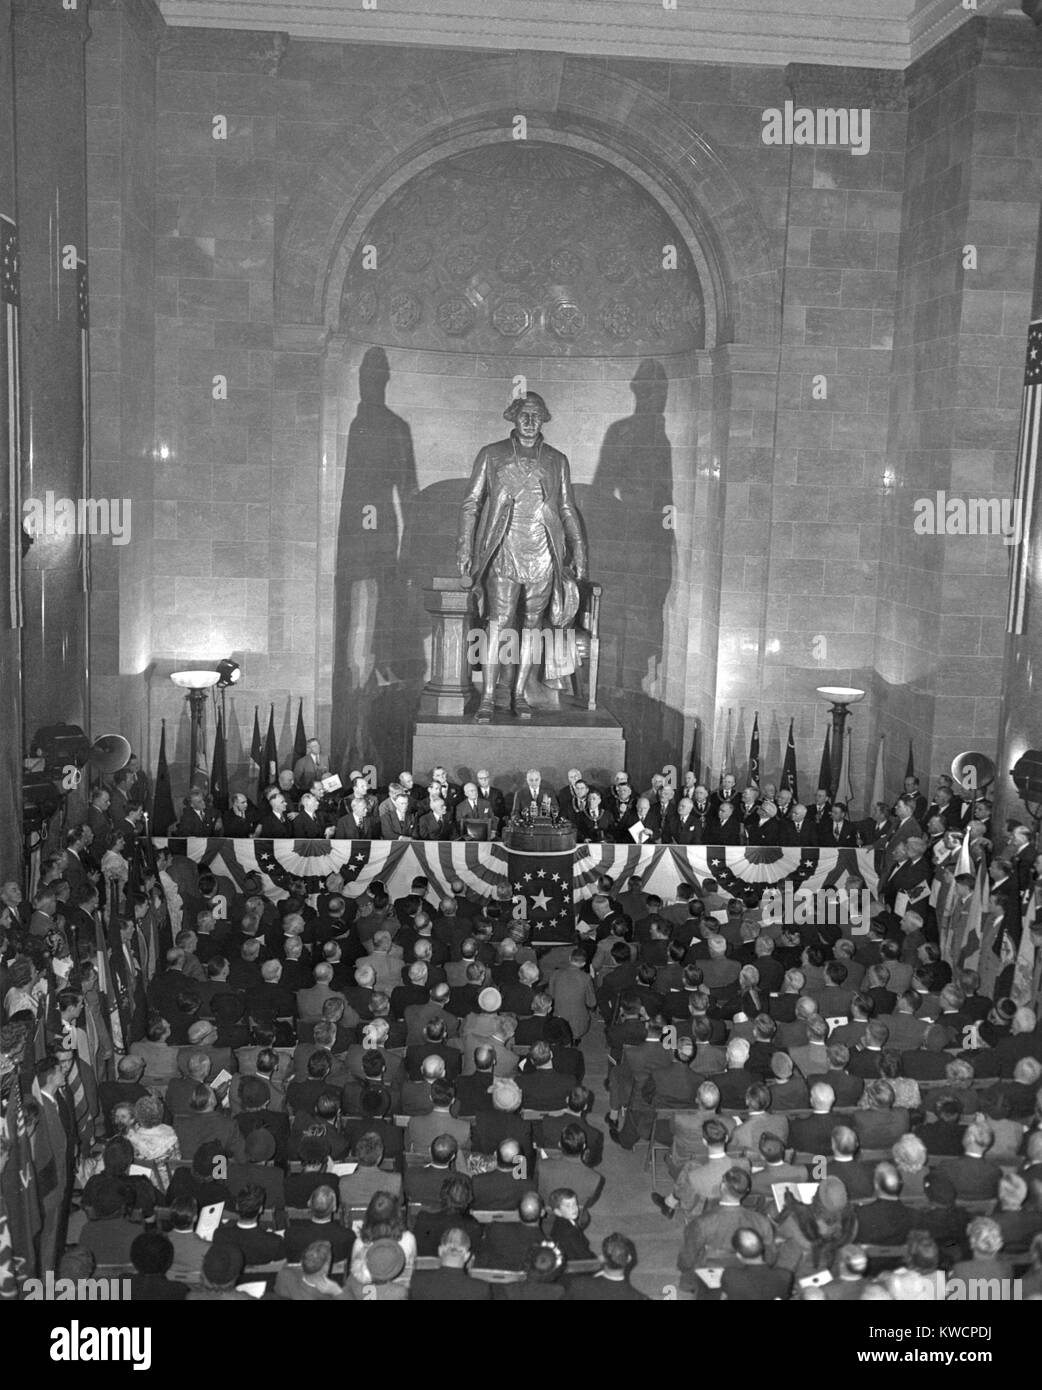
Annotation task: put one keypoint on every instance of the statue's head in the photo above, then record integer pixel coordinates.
(527, 413)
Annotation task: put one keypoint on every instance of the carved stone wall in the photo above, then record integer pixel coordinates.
(529, 249)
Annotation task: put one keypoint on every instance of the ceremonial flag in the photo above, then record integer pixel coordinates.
(788, 772)
(969, 956)
(199, 775)
(542, 886)
(753, 779)
(1022, 990)
(879, 781)
(825, 770)
(219, 772)
(108, 992)
(300, 741)
(844, 787)
(83, 318)
(163, 813)
(20, 1189)
(269, 762)
(1025, 481)
(910, 766)
(10, 424)
(256, 746)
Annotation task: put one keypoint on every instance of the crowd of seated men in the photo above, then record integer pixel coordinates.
(389, 1099)
(842, 1113)
(372, 1099)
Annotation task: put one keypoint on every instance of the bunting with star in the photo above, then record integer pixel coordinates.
(543, 895)
(545, 886)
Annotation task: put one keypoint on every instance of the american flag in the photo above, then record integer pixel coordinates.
(543, 895)
(1024, 487)
(10, 444)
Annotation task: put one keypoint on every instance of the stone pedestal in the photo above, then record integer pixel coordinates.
(446, 693)
(551, 741)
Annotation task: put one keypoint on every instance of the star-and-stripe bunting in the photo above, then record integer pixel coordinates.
(484, 867)
(481, 867)
(736, 868)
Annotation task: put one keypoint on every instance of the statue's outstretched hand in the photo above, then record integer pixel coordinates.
(463, 564)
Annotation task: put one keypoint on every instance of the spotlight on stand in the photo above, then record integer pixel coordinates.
(1027, 778)
(229, 672)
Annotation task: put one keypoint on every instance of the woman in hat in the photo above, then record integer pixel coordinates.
(383, 1226)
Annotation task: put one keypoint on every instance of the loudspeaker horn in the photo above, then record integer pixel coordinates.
(109, 753)
(973, 771)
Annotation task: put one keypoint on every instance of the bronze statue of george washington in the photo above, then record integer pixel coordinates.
(530, 550)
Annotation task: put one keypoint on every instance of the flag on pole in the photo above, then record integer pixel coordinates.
(300, 741)
(910, 766)
(83, 317)
(1022, 991)
(969, 956)
(163, 813)
(825, 770)
(729, 764)
(964, 864)
(1025, 481)
(219, 771)
(844, 786)
(753, 779)
(108, 992)
(20, 1189)
(200, 774)
(879, 781)
(269, 767)
(256, 746)
(10, 438)
(788, 772)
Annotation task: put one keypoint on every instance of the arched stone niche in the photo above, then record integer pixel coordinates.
(422, 351)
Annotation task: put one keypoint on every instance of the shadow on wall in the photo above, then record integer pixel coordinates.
(393, 538)
(627, 509)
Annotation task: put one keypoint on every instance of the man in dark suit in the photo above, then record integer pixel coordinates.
(275, 822)
(532, 794)
(914, 800)
(975, 1178)
(612, 1283)
(725, 828)
(436, 823)
(198, 820)
(837, 832)
(54, 1149)
(502, 1188)
(857, 1176)
(906, 828)
(503, 1121)
(472, 807)
(820, 813)
(542, 1088)
(726, 795)
(507, 1243)
(885, 1220)
(797, 829)
(762, 828)
(487, 792)
(812, 1134)
(359, 822)
(450, 1281)
(685, 828)
(398, 822)
(551, 1127)
(424, 1184)
(308, 823)
(636, 826)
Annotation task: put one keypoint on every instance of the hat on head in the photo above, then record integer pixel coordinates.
(260, 1145)
(831, 1195)
(490, 1000)
(385, 1260)
(222, 1264)
(1006, 1010)
(199, 1030)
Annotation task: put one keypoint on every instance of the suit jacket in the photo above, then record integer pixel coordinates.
(905, 830)
(729, 834)
(975, 1179)
(306, 771)
(766, 832)
(394, 828)
(879, 1129)
(347, 828)
(545, 1090)
(499, 1190)
(885, 1222)
(828, 838)
(491, 491)
(812, 1134)
(791, 835)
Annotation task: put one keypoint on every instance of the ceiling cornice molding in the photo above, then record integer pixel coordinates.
(773, 33)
